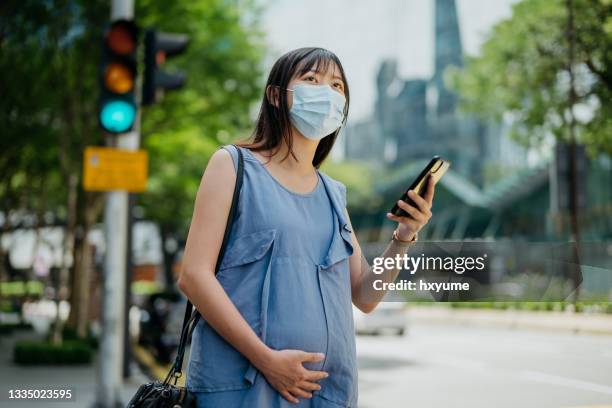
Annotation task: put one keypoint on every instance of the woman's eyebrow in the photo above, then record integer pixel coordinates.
(317, 71)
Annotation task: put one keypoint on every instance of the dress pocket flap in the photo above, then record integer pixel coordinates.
(340, 248)
(248, 248)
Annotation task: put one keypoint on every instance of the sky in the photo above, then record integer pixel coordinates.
(364, 32)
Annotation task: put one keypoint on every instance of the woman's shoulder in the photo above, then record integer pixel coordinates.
(338, 187)
(228, 153)
(217, 182)
(235, 151)
(221, 168)
(220, 158)
(335, 182)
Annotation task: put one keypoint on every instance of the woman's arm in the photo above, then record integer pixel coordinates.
(362, 277)
(283, 369)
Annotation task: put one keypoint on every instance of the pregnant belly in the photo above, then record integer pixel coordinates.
(296, 314)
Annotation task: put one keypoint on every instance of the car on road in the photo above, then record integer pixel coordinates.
(387, 316)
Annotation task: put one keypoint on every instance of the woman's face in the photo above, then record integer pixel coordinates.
(316, 77)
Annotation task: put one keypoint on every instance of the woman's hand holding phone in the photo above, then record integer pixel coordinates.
(419, 215)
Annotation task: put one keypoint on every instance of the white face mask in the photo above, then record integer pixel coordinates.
(317, 110)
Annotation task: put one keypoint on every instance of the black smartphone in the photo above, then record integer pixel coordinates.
(436, 169)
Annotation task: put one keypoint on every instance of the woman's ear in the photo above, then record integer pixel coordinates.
(272, 95)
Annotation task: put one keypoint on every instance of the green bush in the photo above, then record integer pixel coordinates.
(21, 288)
(69, 333)
(21, 326)
(603, 306)
(8, 306)
(7, 328)
(29, 352)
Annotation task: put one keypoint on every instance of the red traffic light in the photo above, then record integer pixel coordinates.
(121, 37)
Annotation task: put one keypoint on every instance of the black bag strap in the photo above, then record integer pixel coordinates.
(192, 316)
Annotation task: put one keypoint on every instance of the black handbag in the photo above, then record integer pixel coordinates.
(164, 394)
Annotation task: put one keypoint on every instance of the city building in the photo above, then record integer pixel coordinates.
(418, 118)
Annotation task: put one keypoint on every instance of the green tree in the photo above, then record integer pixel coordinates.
(49, 62)
(222, 62)
(48, 71)
(549, 67)
(523, 71)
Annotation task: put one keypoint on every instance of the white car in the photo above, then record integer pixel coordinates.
(386, 316)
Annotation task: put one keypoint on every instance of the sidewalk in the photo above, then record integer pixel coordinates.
(82, 380)
(519, 319)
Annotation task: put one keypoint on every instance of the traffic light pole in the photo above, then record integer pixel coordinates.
(114, 281)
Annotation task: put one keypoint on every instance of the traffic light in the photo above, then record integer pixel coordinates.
(159, 47)
(117, 110)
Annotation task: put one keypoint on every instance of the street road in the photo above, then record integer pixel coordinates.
(453, 366)
(431, 366)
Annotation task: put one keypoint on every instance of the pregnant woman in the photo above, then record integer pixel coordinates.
(277, 327)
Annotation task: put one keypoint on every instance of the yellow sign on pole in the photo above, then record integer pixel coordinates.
(108, 169)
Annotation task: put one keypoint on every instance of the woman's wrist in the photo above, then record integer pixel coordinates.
(261, 356)
(397, 238)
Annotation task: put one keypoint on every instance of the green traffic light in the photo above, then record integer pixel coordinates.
(117, 116)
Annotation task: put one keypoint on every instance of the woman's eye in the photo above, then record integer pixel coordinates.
(308, 78)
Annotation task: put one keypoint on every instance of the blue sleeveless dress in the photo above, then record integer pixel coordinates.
(286, 270)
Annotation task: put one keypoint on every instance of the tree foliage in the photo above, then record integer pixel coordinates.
(49, 68)
(222, 62)
(50, 55)
(522, 72)
(48, 72)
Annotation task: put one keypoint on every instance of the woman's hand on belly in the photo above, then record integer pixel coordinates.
(284, 371)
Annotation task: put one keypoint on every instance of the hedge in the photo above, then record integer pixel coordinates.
(28, 352)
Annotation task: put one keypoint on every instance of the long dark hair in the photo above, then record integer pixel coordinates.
(273, 124)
